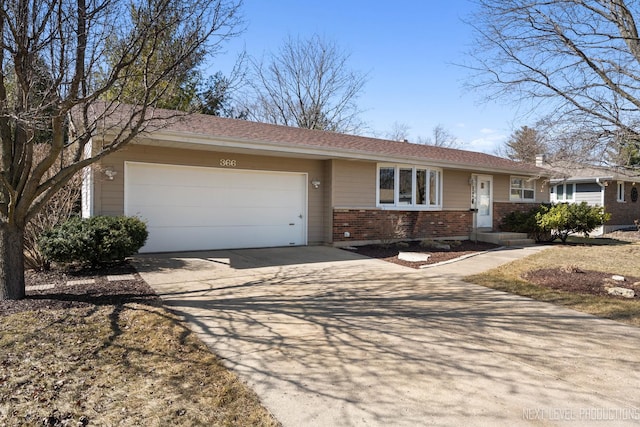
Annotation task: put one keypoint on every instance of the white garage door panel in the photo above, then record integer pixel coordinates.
(184, 239)
(203, 196)
(222, 218)
(195, 208)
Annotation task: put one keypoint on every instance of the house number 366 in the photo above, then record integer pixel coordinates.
(228, 163)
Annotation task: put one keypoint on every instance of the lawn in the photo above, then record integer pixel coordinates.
(80, 357)
(579, 257)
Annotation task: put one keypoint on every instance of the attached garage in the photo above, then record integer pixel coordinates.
(198, 208)
(203, 182)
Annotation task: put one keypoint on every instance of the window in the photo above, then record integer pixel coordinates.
(434, 182)
(621, 191)
(568, 194)
(564, 192)
(588, 187)
(522, 188)
(386, 185)
(421, 187)
(404, 186)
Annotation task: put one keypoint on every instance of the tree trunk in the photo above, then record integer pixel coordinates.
(11, 262)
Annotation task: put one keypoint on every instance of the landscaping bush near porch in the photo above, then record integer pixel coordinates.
(549, 222)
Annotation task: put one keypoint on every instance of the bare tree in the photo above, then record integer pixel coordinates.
(577, 60)
(60, 207)
(399, 132)
(55, 68)
(441, 137)
(523, 145)
(307, 84)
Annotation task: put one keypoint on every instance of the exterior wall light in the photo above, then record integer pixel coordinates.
(315, 183)
(110, 173)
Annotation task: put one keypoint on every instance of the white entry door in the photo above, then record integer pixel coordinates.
(484, 201)
(190, 208)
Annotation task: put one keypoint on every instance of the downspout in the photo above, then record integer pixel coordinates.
(603, 187)
(474, 208)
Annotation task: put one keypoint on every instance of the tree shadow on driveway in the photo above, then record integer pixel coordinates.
(359, 342)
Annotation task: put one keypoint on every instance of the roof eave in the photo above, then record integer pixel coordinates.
(274, 148)
(578, 179)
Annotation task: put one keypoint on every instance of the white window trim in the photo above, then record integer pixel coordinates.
(564, 186)
(396, 188)
(620, 191)
(525, 179)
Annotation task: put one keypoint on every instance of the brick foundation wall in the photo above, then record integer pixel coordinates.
(501, 209)
(622, 213)
(377, 224)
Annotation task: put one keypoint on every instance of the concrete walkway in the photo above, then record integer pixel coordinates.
(328, 338)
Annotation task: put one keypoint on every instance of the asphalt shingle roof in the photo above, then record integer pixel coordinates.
(574, 171)
(266, 133)
(212, 127)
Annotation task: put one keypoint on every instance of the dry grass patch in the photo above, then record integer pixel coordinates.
(613, 259)
(115, 364)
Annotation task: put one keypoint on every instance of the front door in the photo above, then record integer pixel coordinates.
(483, 201)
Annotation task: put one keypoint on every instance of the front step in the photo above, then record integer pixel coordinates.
(504, 238)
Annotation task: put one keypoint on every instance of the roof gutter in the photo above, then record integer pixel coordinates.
(599, 180)
(274, 148)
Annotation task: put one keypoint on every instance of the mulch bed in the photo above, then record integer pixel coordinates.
(102, 292)
(390, 252)
(586, 281)
(579, 281)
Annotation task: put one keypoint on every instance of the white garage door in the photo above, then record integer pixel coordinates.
(196, 208)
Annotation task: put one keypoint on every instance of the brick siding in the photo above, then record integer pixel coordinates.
(622, 213)
(377, 224)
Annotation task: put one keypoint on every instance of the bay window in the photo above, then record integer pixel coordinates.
(402, 186)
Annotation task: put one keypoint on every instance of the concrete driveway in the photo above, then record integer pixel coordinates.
(328, 338)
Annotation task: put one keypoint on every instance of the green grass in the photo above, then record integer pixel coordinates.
(606, 255)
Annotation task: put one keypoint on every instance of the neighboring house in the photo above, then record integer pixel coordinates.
(205, 182)
(615, 189)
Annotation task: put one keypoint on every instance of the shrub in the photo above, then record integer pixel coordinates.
(94, 241)
(564, 219)
(520, 222)
(62, 206)
(526, 222)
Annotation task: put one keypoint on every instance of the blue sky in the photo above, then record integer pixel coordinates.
(407, 47)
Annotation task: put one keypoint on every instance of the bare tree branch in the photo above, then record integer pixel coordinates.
(579, 59)
(307, 84)
(441, 137)
(64, 66)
